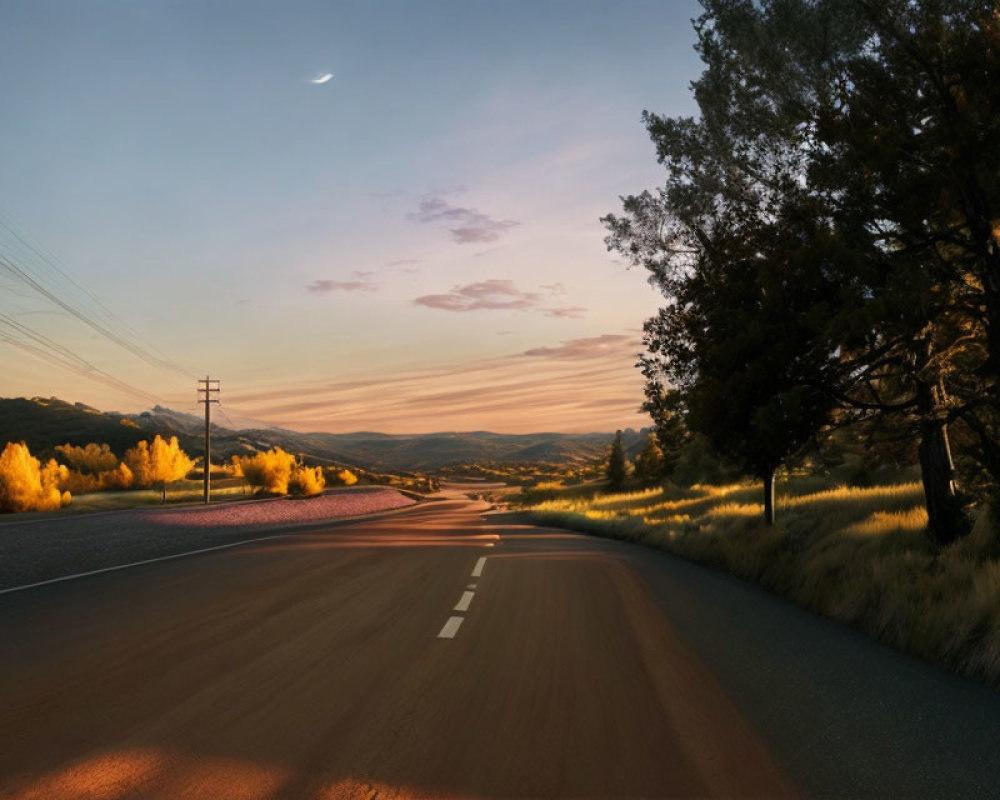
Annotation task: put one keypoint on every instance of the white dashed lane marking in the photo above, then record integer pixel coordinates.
(450, 628)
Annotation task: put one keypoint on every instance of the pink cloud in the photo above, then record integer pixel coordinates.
(471, 225)
(496, 295)
(484, 295)
(610, 344)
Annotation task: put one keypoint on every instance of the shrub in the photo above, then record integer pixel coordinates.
(306, 481)
(25, 485)
(341, 477)
(271, 470)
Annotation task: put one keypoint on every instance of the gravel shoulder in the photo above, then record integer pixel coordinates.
(35, 550)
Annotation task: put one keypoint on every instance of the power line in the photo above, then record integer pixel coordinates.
(122, 342)
(31, 341)
(104, 321)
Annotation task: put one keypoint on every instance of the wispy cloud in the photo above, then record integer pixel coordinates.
(471, 226)
(608, 345)
(553, 391)
(566, 312)
(496, 295)
(490, 295)
(326, 286)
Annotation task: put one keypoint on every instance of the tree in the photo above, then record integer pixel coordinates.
(271, 470)
(649, 464)
(743, 341)
(665, 407)
(91, 459)
(158, 464)
(25, 485)
(616, 464)
(837, 157)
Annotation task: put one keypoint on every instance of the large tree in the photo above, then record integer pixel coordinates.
(838, 144)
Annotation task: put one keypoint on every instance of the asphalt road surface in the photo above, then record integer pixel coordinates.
(435, 654)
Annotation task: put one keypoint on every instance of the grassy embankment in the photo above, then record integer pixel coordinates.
(185, 491)
(858, 555)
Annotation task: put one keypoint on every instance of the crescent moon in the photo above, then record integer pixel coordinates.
(322, 78)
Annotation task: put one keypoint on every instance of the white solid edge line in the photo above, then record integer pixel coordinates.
(477, 572)
(140, 563)
(464, 601)
(450, 628)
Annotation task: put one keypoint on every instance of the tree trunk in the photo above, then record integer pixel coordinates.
(769, 496)
(946, 521)
(163, 489)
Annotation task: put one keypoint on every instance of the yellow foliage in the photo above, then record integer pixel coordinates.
(120, 478)
(91, 459)
(271, 470)
(307, 481)
(341, 477)
(81, 482)
(137, 459)
(347, 477)
(157, 464)
(25, 485)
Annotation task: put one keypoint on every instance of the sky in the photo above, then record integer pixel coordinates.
(412, 245)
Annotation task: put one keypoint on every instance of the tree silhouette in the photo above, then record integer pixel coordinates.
(839, 195)
(616, 464)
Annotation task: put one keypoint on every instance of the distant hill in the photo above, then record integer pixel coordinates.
(44, 423)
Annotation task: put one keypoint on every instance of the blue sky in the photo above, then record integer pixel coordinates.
(375, 252)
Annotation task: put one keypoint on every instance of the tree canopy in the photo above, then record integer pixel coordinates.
(828, 237)
(159, 463)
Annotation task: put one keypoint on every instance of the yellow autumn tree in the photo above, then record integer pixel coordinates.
(270, 470)
(25, 485)
(158, 464)
(90, 459)
(82, 482)
(119, 478)
(306, 481)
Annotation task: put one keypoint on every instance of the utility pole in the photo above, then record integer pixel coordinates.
(206, 388)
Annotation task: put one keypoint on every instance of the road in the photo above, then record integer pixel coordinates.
(435, 654)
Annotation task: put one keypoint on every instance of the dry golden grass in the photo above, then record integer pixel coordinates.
(859, 555)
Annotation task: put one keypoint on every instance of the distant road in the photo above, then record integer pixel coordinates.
(433, 654)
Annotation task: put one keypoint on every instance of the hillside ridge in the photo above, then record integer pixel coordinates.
(44, 423)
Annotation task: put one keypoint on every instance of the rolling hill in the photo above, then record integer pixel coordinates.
(44, 423)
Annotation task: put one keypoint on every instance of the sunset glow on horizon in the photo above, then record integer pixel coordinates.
(411, 246)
